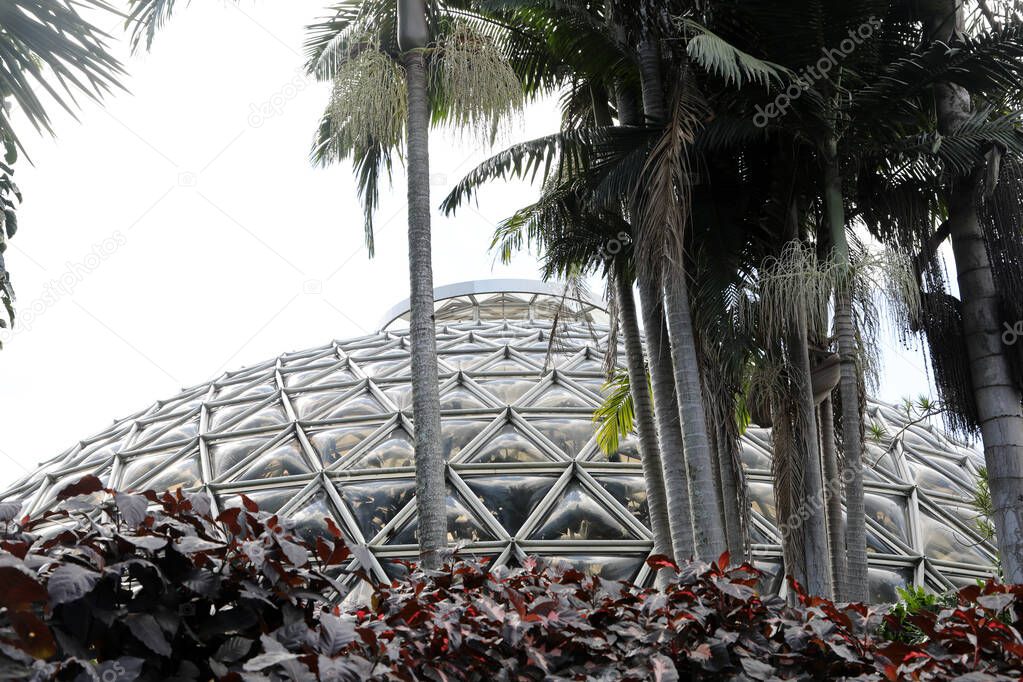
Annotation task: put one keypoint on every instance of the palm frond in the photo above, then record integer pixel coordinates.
(722, 59)
(616, 416)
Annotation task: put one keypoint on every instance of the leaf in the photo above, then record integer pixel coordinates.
(297, 554)
(663, 668)
(153, 543)
(191, 545)
(996, 602)
(233, 649)
(20, 587)
(9, 511)
(132, 507)
(335, 634)
(269, 659)
(86, 485)
(145, 629)
(70, 582)
(35, 638)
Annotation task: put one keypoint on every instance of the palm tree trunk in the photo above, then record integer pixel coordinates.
(430, 461)
(833, 482)
(706, 507)
(996, 390)
(669, 431)
(653, 474)
(852, 442)
(808, 516)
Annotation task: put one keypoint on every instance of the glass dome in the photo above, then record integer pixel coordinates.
(327, 432)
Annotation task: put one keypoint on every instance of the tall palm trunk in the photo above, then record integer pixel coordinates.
(852, 443)
(809, 513)
(653, 475)
(669, 431)
(706, 505)
(836, 520)
(996, 390)
(430, 461)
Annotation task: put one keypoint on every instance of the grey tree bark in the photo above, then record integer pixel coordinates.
(669, 431)
(836, 520)
(430, 461)
(996, 390)
(848, 385)
(708, 529)
(653, 474)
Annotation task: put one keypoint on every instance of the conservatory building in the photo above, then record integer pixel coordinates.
(327, 432)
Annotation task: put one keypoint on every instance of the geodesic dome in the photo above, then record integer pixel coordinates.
(327, 432)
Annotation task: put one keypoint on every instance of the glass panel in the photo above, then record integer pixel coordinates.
(929, 478)
(762, 499)
(511, 365)
(609, 567)
(773, 578)
(508, 445)
(455, 434)
(307, 404)
(183, 473)
(175, 434)
(753, 457)
(396, 450)
(243, 389)
(220, 416)
(401, 396)
(464, 360)
(511, 499)
(380, 368)
(462, 525)
(883, 582)
(559, 396)
(588, 365)
(271, 415)
(283, 460)
(334, 444)
(889, 512)
(361, 405)
(881, 459)
(631, 492)
(267, 500)
(226, 454)
(944, 543)
(374, 503)
(461, 398)
(310, 517)
(628, 452)
(100, 452)
(509, 390)
(569, 435)
(577, 515)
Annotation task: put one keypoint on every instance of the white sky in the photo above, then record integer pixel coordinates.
(223, 246)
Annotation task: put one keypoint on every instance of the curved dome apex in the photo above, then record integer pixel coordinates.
(327, 432)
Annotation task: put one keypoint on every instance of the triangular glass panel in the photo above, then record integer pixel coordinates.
(627, 453)
(374, 503)
(100, 452)
(511, 499)
(595, 386)
(461, 398)
(360, 405)
(588, 365)
(308, 404)
(396, 450)
(462, 525)
(559, 396)
(464, 360)
(455, 434)
(223, 415)
(883, 584)
(379, 368)
(183, 473)
(508, 390)
(509, 445)
(762, 500)
(933, 479)
(944, 542)
(167, 433)
(613, 567)
(578, 515)
(284, 459)
(268, 415)
(246, 390)
(569, 435)
(226, 454)
(267, 500)
(630, 491)
(301, 378)
(753, 457)
(401, 395)
(890, 512)
(310, 517)
(333, 444)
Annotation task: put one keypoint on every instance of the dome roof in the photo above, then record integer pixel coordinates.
(327, 432)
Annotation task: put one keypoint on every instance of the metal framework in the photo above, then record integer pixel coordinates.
(327, 432)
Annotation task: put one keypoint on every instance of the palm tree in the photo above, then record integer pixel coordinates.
(376, 102)
(996, 390)
(45, 46)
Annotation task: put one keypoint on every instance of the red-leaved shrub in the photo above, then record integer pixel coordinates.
(119, 586)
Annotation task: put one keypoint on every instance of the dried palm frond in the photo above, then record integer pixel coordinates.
(474, 81)
(793, 283)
